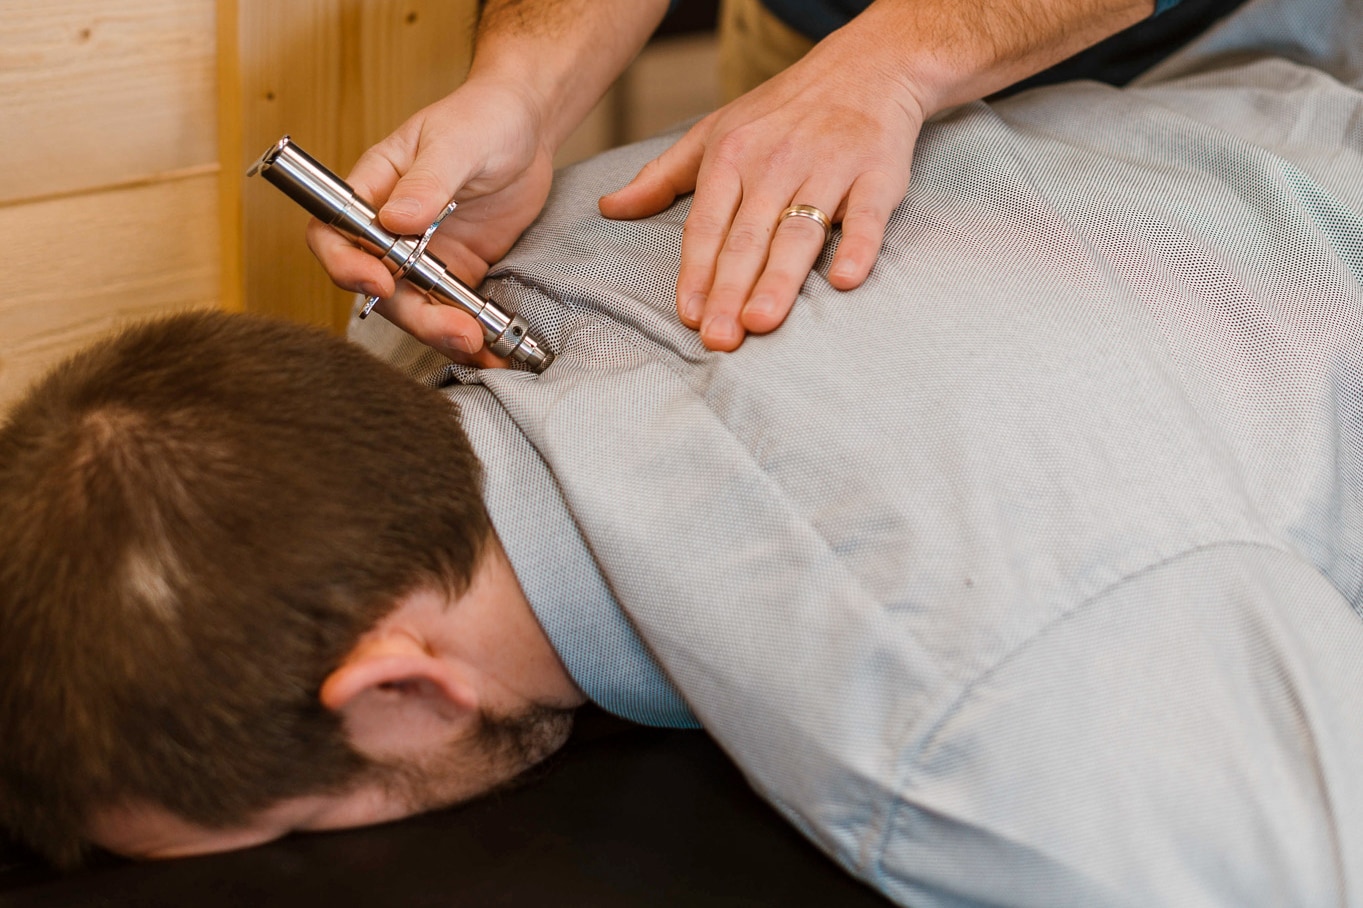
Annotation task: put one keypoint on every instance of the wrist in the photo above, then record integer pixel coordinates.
(558, 57)
(511, 99)
(522, 91)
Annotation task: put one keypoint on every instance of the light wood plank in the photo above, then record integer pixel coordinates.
(337, 75)
(95, 93)
(229, 149)
(133, 253)
(290, 68)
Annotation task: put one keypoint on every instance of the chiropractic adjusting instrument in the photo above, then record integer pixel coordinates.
(329, 199)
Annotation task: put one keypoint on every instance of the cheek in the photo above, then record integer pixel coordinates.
(149, 833)
(362, 807)
(217, 840)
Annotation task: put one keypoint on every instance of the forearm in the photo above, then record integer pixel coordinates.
(561, 55)
(949, 52)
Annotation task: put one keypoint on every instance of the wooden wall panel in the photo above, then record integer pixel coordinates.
(96, 93)
(108, 172)
(127, 134)
(134, 252)
(337, 75)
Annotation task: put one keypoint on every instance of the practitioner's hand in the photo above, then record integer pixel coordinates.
(833, 131)
(480, 145)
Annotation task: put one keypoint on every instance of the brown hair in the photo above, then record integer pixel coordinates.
(198, 519)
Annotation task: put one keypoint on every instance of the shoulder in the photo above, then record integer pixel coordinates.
(1180, 738)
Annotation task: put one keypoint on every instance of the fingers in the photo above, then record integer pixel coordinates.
(410, 187)
(359, 271)
(379, 169)
(725, 249)
(350, 267)
(445, 328)
(422, 193)
(761, 259)
(762, 263)
(870, 202)
(745, 275)
(795, 247)
(709, 230)
(412, 184)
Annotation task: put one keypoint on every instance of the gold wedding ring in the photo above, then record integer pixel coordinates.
(814, 214)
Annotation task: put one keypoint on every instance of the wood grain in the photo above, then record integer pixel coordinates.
(229, 148)
(132, 253)
(95, 93)
(122, 188)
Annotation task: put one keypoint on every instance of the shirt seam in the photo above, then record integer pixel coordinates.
(967, 691)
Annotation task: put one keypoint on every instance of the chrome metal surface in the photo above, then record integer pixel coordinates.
(406, 266)
(327, 197)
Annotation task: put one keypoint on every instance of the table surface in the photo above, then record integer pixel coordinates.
(624, 816)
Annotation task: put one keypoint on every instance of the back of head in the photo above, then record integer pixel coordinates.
(198, 519)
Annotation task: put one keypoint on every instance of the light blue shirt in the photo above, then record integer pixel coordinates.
(1029, 572)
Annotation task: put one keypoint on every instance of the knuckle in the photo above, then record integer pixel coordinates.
(864, 217)
(422, 182)
(784, 283)
(730, 149)
(651, 170)
(700, 224)
(744, 239)
(374, 158)
(780, 155)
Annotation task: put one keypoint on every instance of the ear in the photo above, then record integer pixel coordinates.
(397, 699)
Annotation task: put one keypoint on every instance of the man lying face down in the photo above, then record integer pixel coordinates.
(227, 570)
(1028, 573)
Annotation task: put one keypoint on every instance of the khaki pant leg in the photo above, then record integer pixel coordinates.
(754, 45)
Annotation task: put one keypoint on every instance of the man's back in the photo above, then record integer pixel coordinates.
(1027, 572)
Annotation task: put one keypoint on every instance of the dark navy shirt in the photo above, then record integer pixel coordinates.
(816, 18)
(1116, 60)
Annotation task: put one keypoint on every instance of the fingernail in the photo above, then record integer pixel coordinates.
(720, 329)
(692, 308)
(371, 290)
(842, 272)
(760, 305)
(460, 343)
(403, 206)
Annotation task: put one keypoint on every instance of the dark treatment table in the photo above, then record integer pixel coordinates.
(624, 816)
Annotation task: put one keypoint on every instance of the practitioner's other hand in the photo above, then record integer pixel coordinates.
(481, 145)
(835, 131)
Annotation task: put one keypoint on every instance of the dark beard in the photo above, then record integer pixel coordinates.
(527, 738)
(504, 747)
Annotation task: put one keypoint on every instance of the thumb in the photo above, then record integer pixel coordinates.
(421, 193)
(658, 184)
